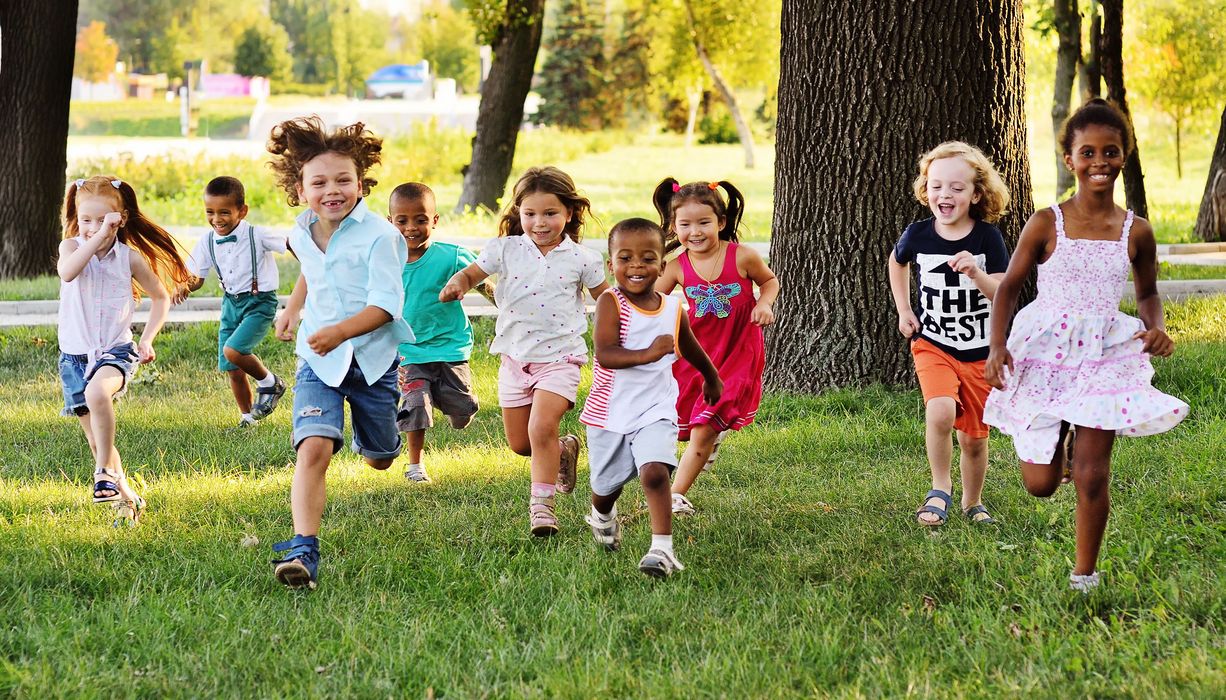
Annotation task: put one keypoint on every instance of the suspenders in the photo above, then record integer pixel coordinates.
(255, 272)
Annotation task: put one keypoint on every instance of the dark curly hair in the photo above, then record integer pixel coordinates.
(295, 142)
(546, 180)
(670, 194)
(1102, 113)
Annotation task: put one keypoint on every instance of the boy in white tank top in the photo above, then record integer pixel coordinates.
(631, 411)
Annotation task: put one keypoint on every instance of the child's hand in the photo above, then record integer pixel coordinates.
(144, 350)
(286, 325)
(1155, 341)
(908, 324)
(762, 315)
(325, 340)
(993, 369)
(712, 391)
(662, 346)
(452, 291)
(112, 220)
(965, 263)
(180, 295)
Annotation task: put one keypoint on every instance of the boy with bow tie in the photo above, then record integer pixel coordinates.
(243, 258)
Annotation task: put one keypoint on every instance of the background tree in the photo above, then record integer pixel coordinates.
(1110, 54)
(513, 29)
(95, 53)
(572, 81)
(1179, 66)
(1090, 72)
(1211, 219)
(857, 107)
(263, 50)
(1067, 22)
(35, 84)
(629, 85)
(448, 40)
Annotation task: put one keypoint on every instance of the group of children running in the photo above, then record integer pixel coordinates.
(376, 323)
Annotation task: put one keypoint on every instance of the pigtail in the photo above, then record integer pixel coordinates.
(662, 198)
(734, 212)
(71, 228)
(159, 249)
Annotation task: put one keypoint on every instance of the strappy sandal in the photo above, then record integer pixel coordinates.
(128, 512)
(971, 512)
(542, 517)
(568, 462)
(298, 567)
(109, 482)
(941, 513)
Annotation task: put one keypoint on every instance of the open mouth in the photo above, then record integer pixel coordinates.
(333, 204)
(945, 209)
(1100, 177)
(636, 279)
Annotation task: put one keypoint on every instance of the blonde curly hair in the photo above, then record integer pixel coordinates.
(993, 194)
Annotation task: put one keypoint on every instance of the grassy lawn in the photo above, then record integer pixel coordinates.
(805, 574)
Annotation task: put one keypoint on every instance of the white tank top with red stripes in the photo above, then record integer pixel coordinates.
(625, 400)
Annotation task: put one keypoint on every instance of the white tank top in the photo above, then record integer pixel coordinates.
(96, 308)
(625, 400)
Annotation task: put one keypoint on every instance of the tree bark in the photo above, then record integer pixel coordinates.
(1068, 56)
(1091, 76)
(1111, 54)
(39, 41)
(742, 127)
(1211, 220)
(858, 105)
(501, 111)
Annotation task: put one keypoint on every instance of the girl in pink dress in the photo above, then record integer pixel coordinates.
(1073, 360)
(718, 276)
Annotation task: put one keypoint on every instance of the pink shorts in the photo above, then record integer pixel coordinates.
(518, 380)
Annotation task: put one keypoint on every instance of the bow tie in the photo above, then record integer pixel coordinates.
(226, 239)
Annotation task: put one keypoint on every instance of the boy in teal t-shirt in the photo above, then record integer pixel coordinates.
(434, 369)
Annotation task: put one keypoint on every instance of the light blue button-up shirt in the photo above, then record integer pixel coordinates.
(361, 268)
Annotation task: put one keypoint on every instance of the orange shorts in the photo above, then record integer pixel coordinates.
(942, 375)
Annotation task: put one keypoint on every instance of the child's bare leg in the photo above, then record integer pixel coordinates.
(1042, 480)
(939, 416)
(249, 364)
(974, 466)
(515, 423)
(89, 435)
(543, 424)
(697, 452)
(308, 493)
(654, 477)
(604, 504)
(241, 389)
(105, 383)
(415, 442)
(1092, 476)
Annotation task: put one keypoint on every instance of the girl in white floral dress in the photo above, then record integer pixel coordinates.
(1073, 360)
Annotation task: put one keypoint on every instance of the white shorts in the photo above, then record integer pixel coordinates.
(616, 458)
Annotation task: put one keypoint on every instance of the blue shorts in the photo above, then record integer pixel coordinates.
(73, 378)
(319, 411)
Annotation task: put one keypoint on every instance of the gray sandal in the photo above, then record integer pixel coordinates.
(941, 513)
(976, 510)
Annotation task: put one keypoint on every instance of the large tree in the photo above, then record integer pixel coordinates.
(515, 35)
(847, 142)
(1110, 54)
(1067, 22)
(37, 41)
(1211, 221)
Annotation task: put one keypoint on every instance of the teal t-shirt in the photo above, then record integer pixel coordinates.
(442, 330)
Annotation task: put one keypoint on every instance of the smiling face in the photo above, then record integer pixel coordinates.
(636, 258)
(330, 186)
(543, 217)
(697, 226)
(951, 190)
(92, 209)
(414, 218)
(223, 214)
(1097, 157)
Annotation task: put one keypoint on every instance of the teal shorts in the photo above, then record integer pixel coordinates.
(245, 320)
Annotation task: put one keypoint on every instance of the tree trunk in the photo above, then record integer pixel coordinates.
(501, 111)
(1111, 55)
(1211, 220)
(1091, 77)
(742, 127)
(846, 148)
(39, 42)
(1068, 56)
(695, 99)
(1178, 148)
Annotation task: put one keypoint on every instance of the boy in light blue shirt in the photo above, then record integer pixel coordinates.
(350, 301)
(434, 370)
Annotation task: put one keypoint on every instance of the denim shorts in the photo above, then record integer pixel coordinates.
(73, 378)
(319, 411)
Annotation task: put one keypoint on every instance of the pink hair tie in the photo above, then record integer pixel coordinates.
(676, 187)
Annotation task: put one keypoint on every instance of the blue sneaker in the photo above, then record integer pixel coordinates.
(299, 566)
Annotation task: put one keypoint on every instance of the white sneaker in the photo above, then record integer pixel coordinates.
(682, 505)
(606, 532)
(1083, 582)
(417, 473)
(245, 421)
(658, 563)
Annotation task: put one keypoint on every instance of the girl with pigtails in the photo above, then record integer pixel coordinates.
(717, 275)
(111, 255)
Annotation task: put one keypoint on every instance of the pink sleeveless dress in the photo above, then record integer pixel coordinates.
(719, 313)
(1074, 356)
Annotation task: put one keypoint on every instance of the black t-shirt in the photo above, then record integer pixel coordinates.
(952, 312)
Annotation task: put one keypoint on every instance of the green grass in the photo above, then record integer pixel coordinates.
(225, 118)
(806, 576)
